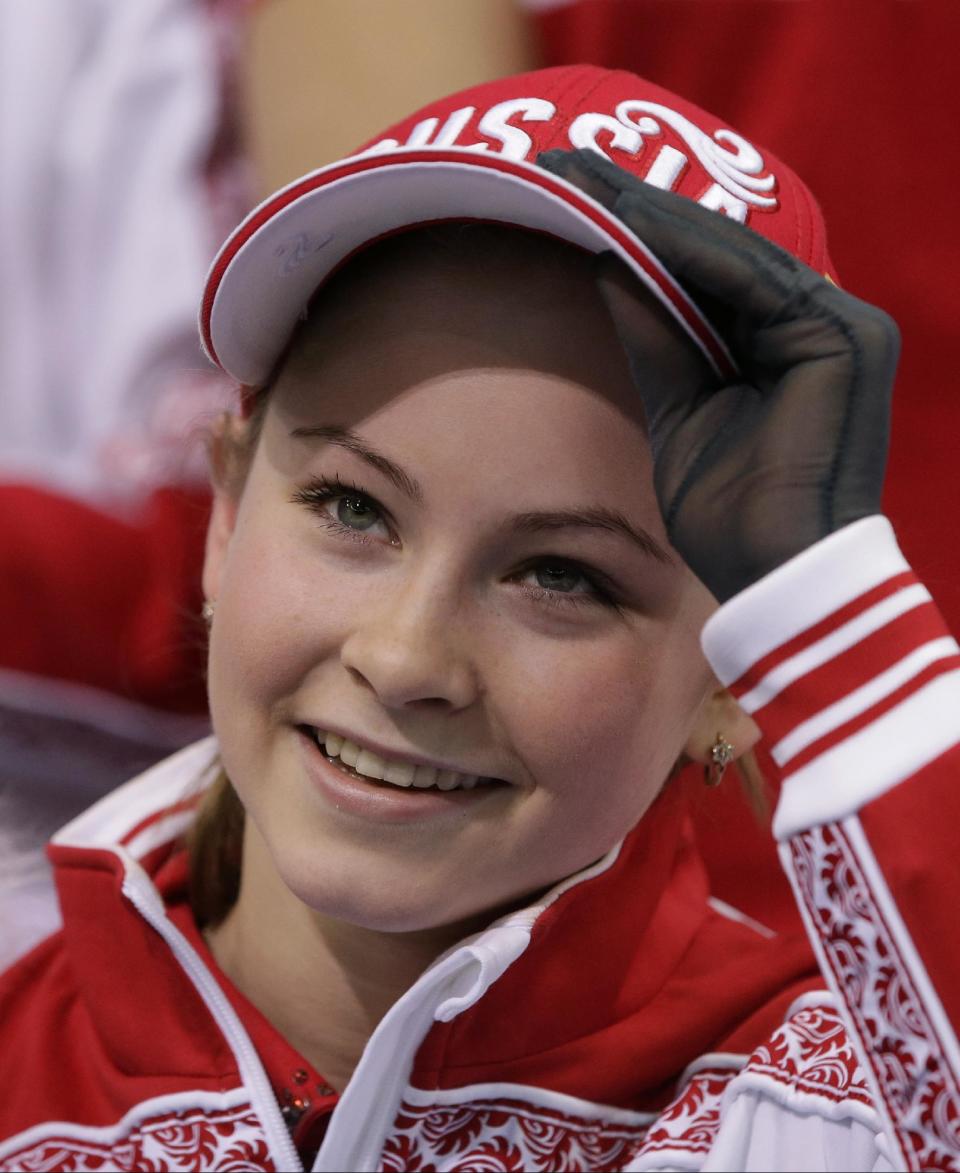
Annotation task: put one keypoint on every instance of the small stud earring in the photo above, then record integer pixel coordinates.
(721, 755)
(207, 613)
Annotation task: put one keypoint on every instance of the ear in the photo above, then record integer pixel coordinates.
(223, 517)
(223, 514)
(720, 713)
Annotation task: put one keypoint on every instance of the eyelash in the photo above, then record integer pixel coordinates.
(598, 594)
(320, 491)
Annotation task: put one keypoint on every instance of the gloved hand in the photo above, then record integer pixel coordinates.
(751, 473)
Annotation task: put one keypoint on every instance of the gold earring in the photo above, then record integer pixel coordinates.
(207, 613)
(721, 755)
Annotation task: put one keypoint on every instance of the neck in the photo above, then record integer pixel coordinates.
(323, 983)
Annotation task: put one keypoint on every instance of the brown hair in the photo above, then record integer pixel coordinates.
(214, 844)
(214, 840)
(754, 785)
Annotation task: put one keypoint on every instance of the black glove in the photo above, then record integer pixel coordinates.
(750, 473)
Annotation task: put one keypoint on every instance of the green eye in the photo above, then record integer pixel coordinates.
(558, 578)
(356, 513)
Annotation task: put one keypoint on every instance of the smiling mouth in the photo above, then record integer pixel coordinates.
(358, 762)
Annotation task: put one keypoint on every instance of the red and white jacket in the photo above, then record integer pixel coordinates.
(625, 1022)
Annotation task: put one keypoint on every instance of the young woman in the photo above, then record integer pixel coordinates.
(430, 900)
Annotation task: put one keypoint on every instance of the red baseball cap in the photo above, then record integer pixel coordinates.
(472, 156)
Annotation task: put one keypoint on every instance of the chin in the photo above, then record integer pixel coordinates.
(380, 904)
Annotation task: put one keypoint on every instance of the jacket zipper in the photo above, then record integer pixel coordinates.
(279, 1142)
(371, 1099)
(370, 1102)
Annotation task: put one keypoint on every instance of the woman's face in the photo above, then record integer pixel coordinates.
(448, 552)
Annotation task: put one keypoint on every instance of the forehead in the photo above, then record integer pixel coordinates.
(461, 297)
(489, 370)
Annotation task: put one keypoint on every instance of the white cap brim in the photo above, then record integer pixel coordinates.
(267, 271)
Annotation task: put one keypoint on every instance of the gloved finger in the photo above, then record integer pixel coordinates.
(668, 372)
(716, 258)
(604, 182)
(707, 251)
(768, 294)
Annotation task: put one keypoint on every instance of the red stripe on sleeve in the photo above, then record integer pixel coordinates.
(862, 720)
(854, 667)
(757, 671)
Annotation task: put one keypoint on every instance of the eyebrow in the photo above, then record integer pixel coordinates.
(344, 438)
(608, 520)
(597, 518)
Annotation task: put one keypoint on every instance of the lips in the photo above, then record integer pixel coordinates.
(357, 760)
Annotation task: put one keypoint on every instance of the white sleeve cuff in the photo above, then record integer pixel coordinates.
(843, 660)
(800, 594)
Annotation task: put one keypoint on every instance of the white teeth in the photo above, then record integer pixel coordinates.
(371, 765)
(399, 773)
(425, 776)
(447, 779)
(349, 753)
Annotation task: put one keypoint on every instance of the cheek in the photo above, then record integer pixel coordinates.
(599, 727)
(279, 615)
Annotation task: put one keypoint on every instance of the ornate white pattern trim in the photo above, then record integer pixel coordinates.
(907, 950)
(809, 1064)
(866, 955)
(189, 1130)
(685, 1130)
(496, 1128)
(502, 1128)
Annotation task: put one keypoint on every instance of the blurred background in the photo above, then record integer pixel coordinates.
(135, 133)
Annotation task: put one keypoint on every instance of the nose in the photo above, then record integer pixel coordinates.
(410, 649)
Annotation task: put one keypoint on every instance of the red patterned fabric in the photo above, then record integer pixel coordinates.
(515, 1129)
(906, 843)
(908, 1054)
(688, 1125)
(874, 686)
(503, 1134)
(170, 1141)
(812, 1053)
